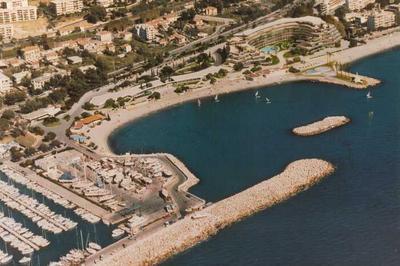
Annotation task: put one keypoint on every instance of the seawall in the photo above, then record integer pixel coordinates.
(155, 248)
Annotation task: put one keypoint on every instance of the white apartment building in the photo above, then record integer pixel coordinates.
(105, 3)
(6, 32)
(358, 4)
(31, 53)
(146, 32)
(64, 7)
(16, 11)
(381, 19)
(5, 83)
(328, 7)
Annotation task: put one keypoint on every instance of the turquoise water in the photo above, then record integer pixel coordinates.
(351, 218)
(269, 49)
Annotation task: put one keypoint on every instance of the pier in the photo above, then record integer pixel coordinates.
(13, 199)
(326, 124)
(187, 232)
(65, 193)
(19, 236)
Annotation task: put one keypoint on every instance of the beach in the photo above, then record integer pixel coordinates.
(189, 231)
(232, 83)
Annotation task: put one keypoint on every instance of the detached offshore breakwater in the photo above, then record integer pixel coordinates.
(321, 126)
(155, 248)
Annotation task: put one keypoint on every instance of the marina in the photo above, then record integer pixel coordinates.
(31, 208)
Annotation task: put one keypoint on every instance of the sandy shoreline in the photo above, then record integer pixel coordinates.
(233, 83)
(189, 231)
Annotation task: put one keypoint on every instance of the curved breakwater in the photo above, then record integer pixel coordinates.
(155, 248)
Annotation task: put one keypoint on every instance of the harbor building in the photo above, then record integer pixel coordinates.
(6, 32)
(12, 11)
(64, 7)
(5, 83)
(309, 34)
(353, 5)
(381, 19)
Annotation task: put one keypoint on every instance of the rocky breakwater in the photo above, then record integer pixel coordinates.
(154, 248)
(321, 126)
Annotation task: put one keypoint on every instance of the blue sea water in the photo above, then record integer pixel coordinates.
(351, 218)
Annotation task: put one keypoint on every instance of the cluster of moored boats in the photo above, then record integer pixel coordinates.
(87, 216)
(35, 211)
(5, 258)
(21, 179)
(77, 256)
(20, 238)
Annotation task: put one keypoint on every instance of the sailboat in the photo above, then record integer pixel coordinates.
(267, 100)
(216, 98)
(369, 96)
(257, 95)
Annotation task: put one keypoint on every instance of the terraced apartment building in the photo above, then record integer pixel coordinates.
(309, 34)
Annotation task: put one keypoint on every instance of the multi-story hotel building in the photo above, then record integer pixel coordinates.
(16, 11)
(328, 7)
(381, 19)
(358, 4)
(146, 32)
(64, 7)
(6, 32)
(104, 3)
(309, 34)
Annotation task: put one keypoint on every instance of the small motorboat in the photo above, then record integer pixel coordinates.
(24, 261)
(216, 98)
(94, 246)
(116, 233)
(6, 260)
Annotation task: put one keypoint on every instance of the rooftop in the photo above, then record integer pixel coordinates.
(308, 19)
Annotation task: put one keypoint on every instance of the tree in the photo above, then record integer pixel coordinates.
(8, 114)
(96, 13)
(29, 151)
(155, 95)
(110, 103)
(166, 72)
(36, 130)
(49, 136)
(4, 124)
(238, 66)
(15, 154)
(14, 97)
(44, 147)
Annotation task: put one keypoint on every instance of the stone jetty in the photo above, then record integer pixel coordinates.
(321, 126)
(187, 232)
